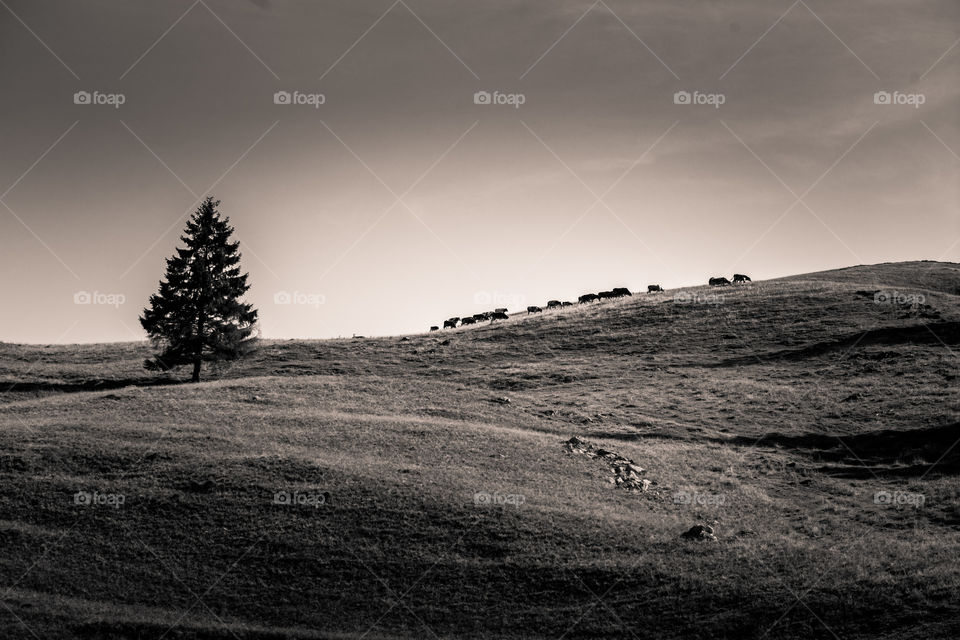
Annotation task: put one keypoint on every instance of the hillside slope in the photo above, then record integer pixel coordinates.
(776, 413)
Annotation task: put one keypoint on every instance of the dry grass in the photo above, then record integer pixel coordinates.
(732, 408)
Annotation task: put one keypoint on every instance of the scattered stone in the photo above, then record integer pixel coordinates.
(201, 487)
(699, 532)
(627, 473)
(445, 342)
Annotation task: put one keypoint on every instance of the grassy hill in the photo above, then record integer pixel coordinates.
(773, 412)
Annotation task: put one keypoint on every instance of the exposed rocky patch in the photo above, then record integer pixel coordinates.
(627, 473)
(699, 532)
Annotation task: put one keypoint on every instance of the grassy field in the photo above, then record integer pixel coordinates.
(419, 487)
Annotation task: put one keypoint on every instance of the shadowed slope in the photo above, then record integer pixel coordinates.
(416, 445)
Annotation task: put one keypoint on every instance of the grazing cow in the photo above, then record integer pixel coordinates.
(719, 282)
(500, 310)
(587, 298)
(566, 304)
(606, 295)
(451, 323)
(534, 309)
(498, 315)
(553, 304)
(434, 328)
(740, 278)
(619, 292)
(467, 320)
(653, 287)
(479, 317)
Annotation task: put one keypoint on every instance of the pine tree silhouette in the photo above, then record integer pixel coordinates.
(197, 315)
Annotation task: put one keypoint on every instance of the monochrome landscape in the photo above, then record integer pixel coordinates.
(419, 319)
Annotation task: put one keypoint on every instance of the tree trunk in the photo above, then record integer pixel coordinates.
(201, 319)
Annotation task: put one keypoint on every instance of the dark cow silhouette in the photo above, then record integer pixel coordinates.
(566, 304)
(477, 317)
(451, 323)
(719, 282)
(501, 310)
(468, 320)
(498, 315)
(606, 295)
(653, 287)
(739, 277)
(434, 328)
(533, 309)
(587, 297)
(553, 304)
(619, 292)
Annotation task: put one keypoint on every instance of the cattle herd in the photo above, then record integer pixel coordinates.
(738, 278)
(587, 298)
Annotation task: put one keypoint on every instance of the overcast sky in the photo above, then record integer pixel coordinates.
(399, 202)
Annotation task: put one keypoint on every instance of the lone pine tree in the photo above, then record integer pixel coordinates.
(198, 315)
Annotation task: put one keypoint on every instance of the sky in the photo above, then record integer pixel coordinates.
(623, 144)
